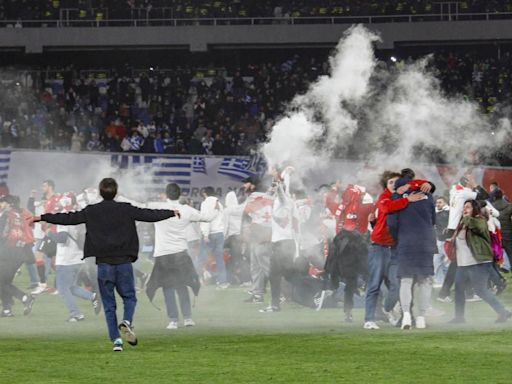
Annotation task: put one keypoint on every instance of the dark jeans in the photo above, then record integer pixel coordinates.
(172, 307)
(120, 278)
(281, 265)
(449, 279)
(11, 258)
(382, 267)
(476, 276)
(350, 290)
(234, 244)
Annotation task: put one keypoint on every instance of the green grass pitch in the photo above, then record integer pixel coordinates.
(234, 343)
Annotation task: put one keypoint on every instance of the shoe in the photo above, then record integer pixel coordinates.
(349, 318)
(53, 291)
(420, 322)
(437, 285)
(7, 313)
(188, 323)
(127, 330)
(392, 319)
(246, 284)
(28, 302)
(371, 325)
(96, 305)
(406, 321)
(223, 286)
(172, 325)
(256, 299)
(446, 299)
(474, 298)
(42, 287)
(270, 308)
(457, 320)
(503, 317)
(75, 318)
(118, 345)
(319, 301)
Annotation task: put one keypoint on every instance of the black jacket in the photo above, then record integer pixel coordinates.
(110, 226)
(505, 209)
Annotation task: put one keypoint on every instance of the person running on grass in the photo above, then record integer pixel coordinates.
(112, 238)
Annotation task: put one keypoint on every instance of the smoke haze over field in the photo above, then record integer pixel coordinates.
(386, 117)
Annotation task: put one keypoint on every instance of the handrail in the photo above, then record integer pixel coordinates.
(222, 21)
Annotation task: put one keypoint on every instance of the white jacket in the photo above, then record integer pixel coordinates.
(171, 234)
(210, 205)
(232, 215)
(69, 253)
(458, 196)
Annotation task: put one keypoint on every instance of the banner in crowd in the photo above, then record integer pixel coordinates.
(145, 175)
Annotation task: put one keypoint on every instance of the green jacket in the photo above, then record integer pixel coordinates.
(478, 238)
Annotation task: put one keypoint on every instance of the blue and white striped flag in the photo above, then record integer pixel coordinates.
(240, 168)
(199, 164)
(155, 172)
(5, 159)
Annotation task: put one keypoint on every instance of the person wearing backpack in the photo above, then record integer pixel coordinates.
(69, 262)
(15, 237)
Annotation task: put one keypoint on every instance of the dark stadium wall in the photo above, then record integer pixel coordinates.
(201, 38)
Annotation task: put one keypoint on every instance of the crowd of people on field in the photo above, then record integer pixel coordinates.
(336, 246)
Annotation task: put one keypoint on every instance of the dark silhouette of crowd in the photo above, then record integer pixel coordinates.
(177, 111)
(187, 110)
(165, 9)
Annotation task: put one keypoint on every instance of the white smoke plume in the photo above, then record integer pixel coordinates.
(389, 118)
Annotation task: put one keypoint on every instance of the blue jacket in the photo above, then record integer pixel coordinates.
(414, 228)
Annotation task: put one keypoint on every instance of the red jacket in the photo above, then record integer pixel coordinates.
(385, 205)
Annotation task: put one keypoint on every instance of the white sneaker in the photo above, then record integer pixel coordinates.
(188, 323)
(446, 299)
(319, 301)
(474, 298)
(173, 325)
(393, 320)
(223, 286)
(406, 321)
(371, 325)
(42, 287)
(420, 322)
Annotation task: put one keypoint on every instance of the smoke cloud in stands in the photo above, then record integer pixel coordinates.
(388, 117)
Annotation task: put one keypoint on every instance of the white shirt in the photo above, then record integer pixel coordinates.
(209, 206)
(458, 196)
(259, 208)
(465, 257)
(171, 234)
(193, 232)
(232, 215)
(69, 253)
(283, 219)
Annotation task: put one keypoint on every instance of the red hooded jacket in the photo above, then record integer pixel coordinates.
(385, 205)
